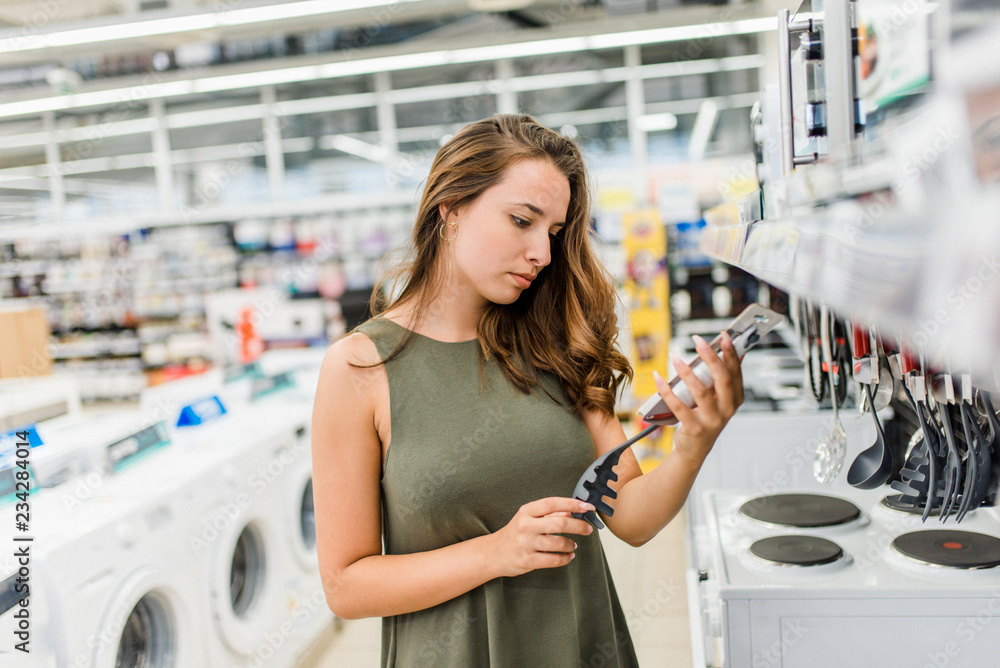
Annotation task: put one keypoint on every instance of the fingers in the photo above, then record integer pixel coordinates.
(727, 377)
(555, 504)
(681, 411)
(535, 534)
(716, 404)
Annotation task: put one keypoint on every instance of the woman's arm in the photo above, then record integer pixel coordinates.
(646, 503)
(359, 581)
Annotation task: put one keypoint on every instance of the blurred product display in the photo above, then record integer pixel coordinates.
(197, 198)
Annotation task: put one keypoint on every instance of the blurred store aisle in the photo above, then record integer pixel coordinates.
(650, 582)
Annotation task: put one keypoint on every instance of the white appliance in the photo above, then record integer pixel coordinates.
(876, 604)
(260, 582)
(773, 451)
(25, 401)
(111, 584)
(871, 607)
(305, 607)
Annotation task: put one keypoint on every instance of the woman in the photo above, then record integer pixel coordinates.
(455, 424)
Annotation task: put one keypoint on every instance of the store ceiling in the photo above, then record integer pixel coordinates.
(34, 22)
(39, 14)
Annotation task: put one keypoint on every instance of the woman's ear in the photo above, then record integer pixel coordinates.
(444, 208)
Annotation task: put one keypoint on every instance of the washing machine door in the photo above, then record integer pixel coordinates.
(242, 586)
(301, 520)
(148, 624)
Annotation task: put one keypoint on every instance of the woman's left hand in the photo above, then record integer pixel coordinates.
(714, 406)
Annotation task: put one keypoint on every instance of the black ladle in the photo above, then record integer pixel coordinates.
(874, 466)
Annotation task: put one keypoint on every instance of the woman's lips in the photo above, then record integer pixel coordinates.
(523, 280)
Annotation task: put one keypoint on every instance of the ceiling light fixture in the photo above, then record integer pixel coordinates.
(188, 23)
(367, 66)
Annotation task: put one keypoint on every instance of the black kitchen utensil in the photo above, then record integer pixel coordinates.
(994, 441)
(872, 467)
(982, 477)
(593, 485)
(971, 464)
(919, 479)
(953, 464)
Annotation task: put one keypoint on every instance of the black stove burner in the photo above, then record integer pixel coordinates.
(801, 510)
(895, 502)
(950, 547)
(797, 550)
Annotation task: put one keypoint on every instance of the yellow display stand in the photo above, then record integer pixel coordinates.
(647, 289)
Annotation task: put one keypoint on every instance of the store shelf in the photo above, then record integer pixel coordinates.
(932, 282)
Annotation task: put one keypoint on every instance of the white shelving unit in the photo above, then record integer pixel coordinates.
(903, 236)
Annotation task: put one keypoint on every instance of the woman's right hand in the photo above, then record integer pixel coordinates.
(531, 541)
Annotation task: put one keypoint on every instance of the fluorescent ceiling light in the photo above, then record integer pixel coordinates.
(656, 122)
(678, 33)
(704, 125)
(366, 66)
(356, 147)
(189, 23)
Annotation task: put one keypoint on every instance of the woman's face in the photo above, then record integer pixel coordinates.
(504, 235)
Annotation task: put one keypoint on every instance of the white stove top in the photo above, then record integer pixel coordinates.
(869, 567)
(873, 607)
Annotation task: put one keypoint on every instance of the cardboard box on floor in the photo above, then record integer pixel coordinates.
(24, 342)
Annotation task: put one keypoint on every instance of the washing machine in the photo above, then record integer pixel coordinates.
(253, 532)
(306, 606)
(111, 584)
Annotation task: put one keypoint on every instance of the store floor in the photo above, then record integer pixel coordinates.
(650, 582)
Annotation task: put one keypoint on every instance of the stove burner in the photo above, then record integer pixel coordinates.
(801, 510)
(796, 550)
(895, 502)
(950, 547)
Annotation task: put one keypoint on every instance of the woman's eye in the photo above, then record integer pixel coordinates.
(521, 222)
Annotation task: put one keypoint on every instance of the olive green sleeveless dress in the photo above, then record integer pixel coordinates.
(467, 451)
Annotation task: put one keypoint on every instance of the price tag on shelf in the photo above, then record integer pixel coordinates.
(264, 386)
(127, 450)
(201, 411)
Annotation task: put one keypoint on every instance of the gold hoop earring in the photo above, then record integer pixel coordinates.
(441, 231)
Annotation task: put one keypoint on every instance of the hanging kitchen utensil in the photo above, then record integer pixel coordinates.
(872, 467)
(861, 350)
(814, 356)
(994, 440)
(841, 357)
(991, 417)
(914, 481)
(953, 464)
(984, 467)
(971, 478)
(829, 458)
(886, 386)
(919, 477)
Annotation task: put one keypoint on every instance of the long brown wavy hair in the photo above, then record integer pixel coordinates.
(565, 322)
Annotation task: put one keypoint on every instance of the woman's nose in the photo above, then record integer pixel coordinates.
(540, 250)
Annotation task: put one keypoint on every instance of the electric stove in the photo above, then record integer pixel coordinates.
(837, 578)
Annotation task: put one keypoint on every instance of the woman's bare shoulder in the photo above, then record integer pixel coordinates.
(352, 350)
